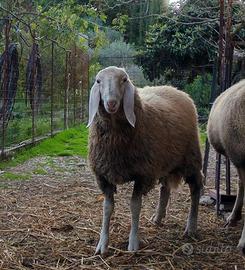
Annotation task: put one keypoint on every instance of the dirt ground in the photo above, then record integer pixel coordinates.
(52, 221)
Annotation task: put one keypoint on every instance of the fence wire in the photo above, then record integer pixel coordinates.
(43, 90)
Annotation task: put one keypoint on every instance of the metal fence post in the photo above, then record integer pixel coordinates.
(33, 95)
(88, 86)
(82, 102)
(213, 95)
(52, 90)
(5, 85)
(74, 84)
(67, 86)
(217, 182)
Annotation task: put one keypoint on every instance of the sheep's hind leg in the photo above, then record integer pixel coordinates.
(108, 207)
(236, 213)
(195, 184)
(241, 244)
(135, 207)
(162, 204)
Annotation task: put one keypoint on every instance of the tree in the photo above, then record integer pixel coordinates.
(187, 36)
(131, 17)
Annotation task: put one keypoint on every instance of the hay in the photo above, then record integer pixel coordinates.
(53, 222)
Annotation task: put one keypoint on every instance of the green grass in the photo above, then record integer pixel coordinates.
(39, 171)
(21, 129)
(67, 143)
(14, 176)
(203, 135)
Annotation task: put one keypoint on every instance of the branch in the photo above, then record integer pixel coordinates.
(238, 28)
(203, 20)
(121, 3)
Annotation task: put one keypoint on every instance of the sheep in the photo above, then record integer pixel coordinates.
(226, 133)
(142, 135)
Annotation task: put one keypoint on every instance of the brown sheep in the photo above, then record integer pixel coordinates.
(226, 133)
(143, 136)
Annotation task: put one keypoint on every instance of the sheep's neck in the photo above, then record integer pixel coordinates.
(113, 122)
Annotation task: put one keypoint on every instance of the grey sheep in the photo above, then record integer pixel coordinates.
(142, 135)
(226, 133)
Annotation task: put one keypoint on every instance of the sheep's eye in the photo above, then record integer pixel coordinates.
(125, 79)
(98, 80)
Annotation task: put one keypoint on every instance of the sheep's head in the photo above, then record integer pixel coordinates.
(112, 86)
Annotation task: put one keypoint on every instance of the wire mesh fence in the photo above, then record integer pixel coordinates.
(43, 89)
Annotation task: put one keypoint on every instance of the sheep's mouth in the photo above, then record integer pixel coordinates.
(112, 111)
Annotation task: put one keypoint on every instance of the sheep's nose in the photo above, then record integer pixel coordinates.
(111, 104)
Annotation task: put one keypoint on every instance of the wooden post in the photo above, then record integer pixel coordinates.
(221, 47)
(225, 60)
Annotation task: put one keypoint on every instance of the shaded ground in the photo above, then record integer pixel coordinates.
(52, 221)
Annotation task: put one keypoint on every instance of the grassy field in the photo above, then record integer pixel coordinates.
(67, 143)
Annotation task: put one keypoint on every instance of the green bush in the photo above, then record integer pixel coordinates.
(137, 76)
(118, 53)
(113, 35)
(200, 90)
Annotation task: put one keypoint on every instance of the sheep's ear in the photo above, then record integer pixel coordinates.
(128, 103)
(94, 101)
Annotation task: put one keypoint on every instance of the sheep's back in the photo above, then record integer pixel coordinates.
(226, 125)
(174, 125)
(171, 104)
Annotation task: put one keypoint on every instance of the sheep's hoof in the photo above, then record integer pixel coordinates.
(232, 220)
(190, 233)
(231, 223)
(156, 220)
(102, 247)
(241, 248)
(133, 244)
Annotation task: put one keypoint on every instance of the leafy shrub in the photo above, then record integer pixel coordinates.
(121, 54)
(113, 35)
(118, 53)
(200, 90)
(136, 75)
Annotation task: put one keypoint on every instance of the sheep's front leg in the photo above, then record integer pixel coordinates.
(135, 207)
(108, 207)
(195, 184)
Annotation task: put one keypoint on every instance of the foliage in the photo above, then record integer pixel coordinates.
(112, 34)
(119, 23)
(200, 90)
(122, 54)
(136, 75)
(118, 53)
(202, 136)
(182, 39)
(66, 22)
(70, 142)
(132, 18)
(186, 37)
